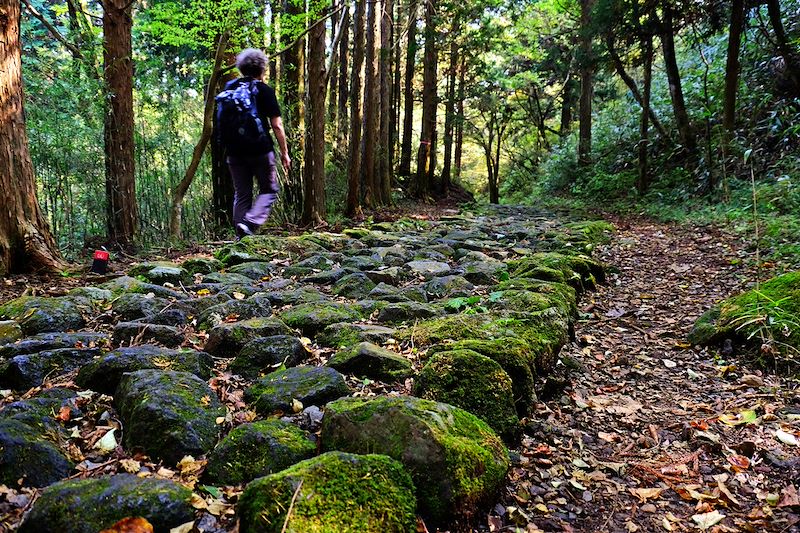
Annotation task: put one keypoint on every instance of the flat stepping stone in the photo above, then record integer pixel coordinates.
(91, 505)
(354, 286)
(333, 492)
(255, 306)
(456, 461)
(314, 317)
(255, 270)
(41, 315)
(405, 311)
(132, 306)
(25, 453)
(51, 341)
(303, 295)
(428, 269)
(38, 412)
(389, 276)
(310, 385)
(344, 334)
(168, 414)
(227, 278)
(127, 284)
(161, 272)
(25, 371)
(169, 336)
(264, 354)
(369, 360)
(258, 449)
(449, 287)
(201, 265)
(104, 374)
(227, 339)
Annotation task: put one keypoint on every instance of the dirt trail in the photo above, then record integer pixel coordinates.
(635, 442)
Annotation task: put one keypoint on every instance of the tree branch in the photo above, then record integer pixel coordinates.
(76, 53)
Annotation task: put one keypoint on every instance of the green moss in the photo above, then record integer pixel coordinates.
(591, 231)
(473, 382)
(369, 360)
(333, 493)
(560, 294)
(579, 271)
(313, 317)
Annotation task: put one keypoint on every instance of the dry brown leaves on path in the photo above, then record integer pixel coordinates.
(652, 434)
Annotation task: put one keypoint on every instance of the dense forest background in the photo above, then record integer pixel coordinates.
(665, 107)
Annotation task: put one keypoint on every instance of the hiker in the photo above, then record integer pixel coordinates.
(244, 109)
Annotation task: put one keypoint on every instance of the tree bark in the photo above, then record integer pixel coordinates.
(221, 181)
(426, 155)
(334, 75)
(587, 86)
(342, 125)
(353, 208)
(459, 119)
(26, 243)
(674, 78)
(643, 183)
(449, 113)
(732, 67)
(567, 103)
(619, 67)
(384, 176)
(121, 207)
(790, 56)
(314, 175)
(179, 193)
(371, 109)
(404, 168)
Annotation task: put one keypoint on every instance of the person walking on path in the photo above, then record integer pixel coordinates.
(244, 108)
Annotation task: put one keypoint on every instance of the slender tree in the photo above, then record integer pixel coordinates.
(426, 155)
(404, 168)
(732, 67)
(587, 85)
(342, 118)
(26, 243)
(643, 182)
(353, 207)
(384, 174)
(122, 212)
(371, 111)
(450, 104)
(673, 76)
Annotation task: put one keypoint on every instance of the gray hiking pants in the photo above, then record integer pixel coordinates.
(243, 170)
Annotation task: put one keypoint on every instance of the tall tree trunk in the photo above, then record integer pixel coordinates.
(459, 119)
(449, 112)
(334, 75)
(732, 67)
(293, 109)
(26, 243)
(567, 103)
(587, 86)
(394, 125)
(674, 78)
(404, 168)
(121, 208)
(353, 208)
(179, 193)
(371, 109)
(791, 58)
(643, 183)
(619, 67)
(384, 176)
(221, 181)
(426, 155)
(314, 176)
(342, 124)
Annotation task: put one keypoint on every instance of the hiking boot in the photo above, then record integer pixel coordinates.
(244, 229)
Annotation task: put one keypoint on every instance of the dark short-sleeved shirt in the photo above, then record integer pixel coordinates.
(267, 105)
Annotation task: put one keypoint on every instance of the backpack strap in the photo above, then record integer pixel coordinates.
(253, 88)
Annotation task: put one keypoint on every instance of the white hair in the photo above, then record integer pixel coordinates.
(251, 62)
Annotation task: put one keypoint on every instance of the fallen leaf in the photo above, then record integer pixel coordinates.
(130, 525)
(108, 443)
(789, 497)
(739, 462)
(706, 520)
(646, 494)
(297, 405)
(787, 438)
(64, 414)
(239, 295)
(669, 363)
(745, 417)
(130, 466)
(751, 380)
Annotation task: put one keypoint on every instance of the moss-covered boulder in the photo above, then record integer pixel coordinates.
(455, 459)
(327, 277)
(10, 331)
(449, 287)
(226, 278)
(368, 360)
(24, 371)
(770, 313)
(475, 383)
(485, 272)
(388, 275)
(257, 306)
(94, 294)
(406, 311)
(52, 341)
(589, 232)
(104, 373)
(264, 354)
(31, 455)
(335, 492)
(168, 414)
(255, 270)
(354, 286)
(38, 412)
(228, 338)
(579, 271)
(428, 269)
(40, 315)
(239, 252)
(344, 334)
(255, 450)
(201, 265)
(132, 306)
(128, 332)
(127, 284)
(302, 295)
(514, 355)
(560, 295)
(161, 272)
(314, 317)
(91, 505)
(310, 385)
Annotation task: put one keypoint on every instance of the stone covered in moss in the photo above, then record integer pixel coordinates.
(40, 315)
(589, 232)
(264, 354)
(772, 312)
(371, 361)
(169, 336)
(168, 414)
(254, 270)
(257, 306)
(560, 295)
(335, 492)
(239, 252)
(406, 311)
(428, 269)
(38, 412)
(354, 286)
(10, 331)
(90, 505)
(449, 287)
(29, 370)
(473, 382)
(131, 306)
(228, 338)
(52, 341)
(514, 356)
(314, 317)
(127, 284)
(226, 278)
(161, 272)
(29, 454)
(104, 374)
(303, 295)
(578, 271)
(258, 449)
(201, 265)
(95, 294)
(310, 385)
(455, 459)
(344, 334)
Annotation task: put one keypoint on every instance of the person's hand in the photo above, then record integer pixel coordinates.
(286, 161)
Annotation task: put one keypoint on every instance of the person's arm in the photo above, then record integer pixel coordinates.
(280, 136)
